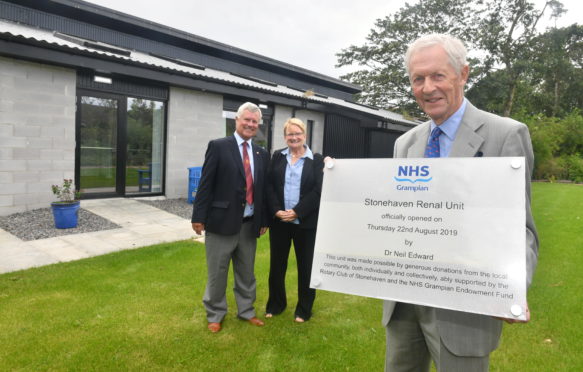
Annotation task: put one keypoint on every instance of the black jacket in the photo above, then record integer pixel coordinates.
(310, 188)
(220, 199)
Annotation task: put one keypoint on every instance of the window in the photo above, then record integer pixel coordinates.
(260, 139)
(310, 130)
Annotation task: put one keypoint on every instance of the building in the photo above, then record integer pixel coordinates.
(124, 106)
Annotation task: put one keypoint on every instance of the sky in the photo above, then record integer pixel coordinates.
(304, 33)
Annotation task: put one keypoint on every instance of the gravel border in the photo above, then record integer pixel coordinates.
(179, 207)
(39, 223)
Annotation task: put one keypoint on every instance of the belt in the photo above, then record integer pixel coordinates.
(247, 219)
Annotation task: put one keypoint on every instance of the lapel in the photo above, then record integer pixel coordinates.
(281, 165)
(419, 143)
(467, 140)
(306, 172)
(236, 154)
(257, 162)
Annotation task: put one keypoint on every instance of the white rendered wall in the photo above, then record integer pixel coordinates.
(194, 118)
(37, 133)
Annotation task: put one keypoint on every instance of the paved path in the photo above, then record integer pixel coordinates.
(141, 225)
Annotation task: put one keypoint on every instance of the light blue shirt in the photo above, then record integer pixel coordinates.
(449, 129)
(248, 207)
(293, 179)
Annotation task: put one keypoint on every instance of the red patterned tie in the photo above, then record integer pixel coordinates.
(248, 176)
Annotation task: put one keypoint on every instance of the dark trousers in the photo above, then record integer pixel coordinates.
(281, 235)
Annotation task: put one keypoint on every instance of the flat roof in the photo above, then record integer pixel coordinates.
(46, 38)
(119, 21)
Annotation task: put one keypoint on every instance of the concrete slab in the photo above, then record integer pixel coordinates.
(24, 256)
(7, 238)
(90, 244)
(59, 248)
(142, 225)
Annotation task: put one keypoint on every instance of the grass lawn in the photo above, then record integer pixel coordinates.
(104, 177)
(141, 310)
(552, 341)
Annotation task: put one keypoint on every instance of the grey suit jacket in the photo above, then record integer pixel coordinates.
(480, 134)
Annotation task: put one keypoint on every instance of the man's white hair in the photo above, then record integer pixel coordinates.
(248, 106)
(454, 47)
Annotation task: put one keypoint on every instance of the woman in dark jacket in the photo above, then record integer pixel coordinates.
(294, 184)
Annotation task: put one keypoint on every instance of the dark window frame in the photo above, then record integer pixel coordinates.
(121, 145)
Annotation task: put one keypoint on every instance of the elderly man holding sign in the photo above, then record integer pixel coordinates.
(455, 340)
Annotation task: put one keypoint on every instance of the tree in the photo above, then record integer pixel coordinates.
(382, 72)
(506, 33)
(558, 70)
(500, 34)
(551, 83)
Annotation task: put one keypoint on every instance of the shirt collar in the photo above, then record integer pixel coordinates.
(307, 154)
(240, 140)
(451, 125)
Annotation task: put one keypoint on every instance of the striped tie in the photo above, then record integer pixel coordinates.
(432, 149)
(248, 175)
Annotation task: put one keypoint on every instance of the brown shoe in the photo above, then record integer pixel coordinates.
(256, 322)
(214, 327)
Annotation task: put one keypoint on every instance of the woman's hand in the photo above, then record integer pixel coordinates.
(287, 215)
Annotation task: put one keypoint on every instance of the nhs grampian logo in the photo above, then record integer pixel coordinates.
(413, 178)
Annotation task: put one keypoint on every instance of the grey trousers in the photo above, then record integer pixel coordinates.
(413, 341)
(220, 251)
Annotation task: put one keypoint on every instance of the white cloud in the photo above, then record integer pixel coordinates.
(305, 33)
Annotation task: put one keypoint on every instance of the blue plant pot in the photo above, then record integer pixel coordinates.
(66, 214)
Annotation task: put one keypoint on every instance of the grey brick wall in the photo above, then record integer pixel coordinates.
(194, 118)
(318, 130)
(37, 133)
(282, 113)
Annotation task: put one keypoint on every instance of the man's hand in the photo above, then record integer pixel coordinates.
(263, 230)
(198, 227)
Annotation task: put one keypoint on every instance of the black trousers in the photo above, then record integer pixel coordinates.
(281, 235)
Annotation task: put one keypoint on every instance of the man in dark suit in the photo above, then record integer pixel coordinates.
(229, 207)
(455, 340)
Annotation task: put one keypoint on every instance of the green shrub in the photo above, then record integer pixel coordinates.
(572, 143)
(573, 166)
(557, 143)
(551, 169)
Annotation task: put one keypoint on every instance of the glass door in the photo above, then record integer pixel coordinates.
(97, 145)
(145, 146)
(120, 145)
